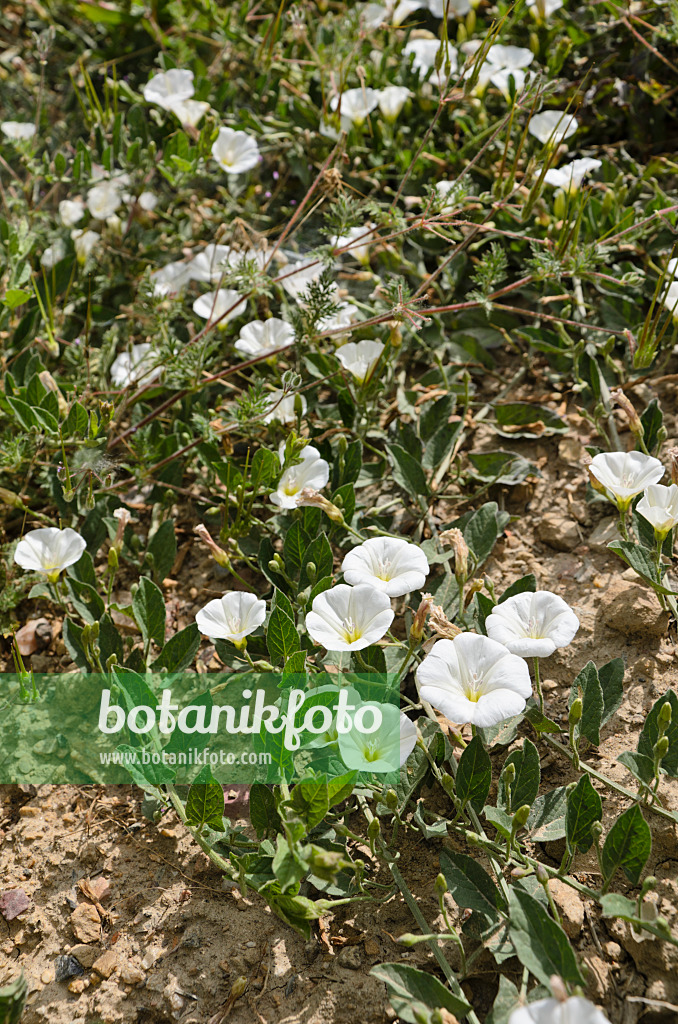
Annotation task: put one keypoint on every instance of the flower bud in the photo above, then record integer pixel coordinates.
(596, 830)
(419, 621)
(455, 538)
(648, 883)
(10, 498)
(635, 426)
(558, 988)
(441, 884)
(112, 559)
(218, 554)
(310, 498)
(542, 874)
(521, 872)
(521, 816)
(664, 717)
(408, 939)
(663, 925)
(391, 799)
(374, 829)
(238, 987)
(575, 711)
(661, 748)
(673, 464)
(447, 782)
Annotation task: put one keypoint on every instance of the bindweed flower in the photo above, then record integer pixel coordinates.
(532, 625)
(71, 211)
(236, 152)
(148, 201)
(190, 112)
(84, 242)
(349, 618)
(345, 315)
(223, 303)
(104, 199)
(233, 616)
(474, 679)
(49, 550)
(504, 62)
(552, 127)
(209, 264)
(169, 88)
(260, 337)
(218, 554)
(172, 278)
(570, 176)
(312, 471)
(625, 474)
(574, 1010)
(135, 367)
(296, 278)
(389, 564)
(18, 131)
(360, 358)
(364, 234)
(52, 254)
(384, 750)
(659, 505)
(282, 407)
(355, 104)
(392, 99)
(541, 9)
(425, 52)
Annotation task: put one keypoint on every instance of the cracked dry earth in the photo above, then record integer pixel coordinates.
(159, 938)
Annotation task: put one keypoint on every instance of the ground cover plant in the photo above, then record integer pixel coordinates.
(339, 352)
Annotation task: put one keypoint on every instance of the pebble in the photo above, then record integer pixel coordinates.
(131, 974)
(558, 532)
(152, 954)
(631, 608)
(78, 986)
(605, 531)
(67, 967)
(86, 955)
(86, 923)
(47, 977)
(106, 963)
(350, 957)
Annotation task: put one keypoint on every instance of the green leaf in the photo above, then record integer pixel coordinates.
(538, 719)
(14, 297)
(13, 1000)
(295, 544)
(352, 464)
(282, 638)
(652, 420)
(180, 741)
(547, 817)
(407, 471)
(295, 664)
(319, 552)
(296, 911)
(76, 423)
(587, 685)
(500, 819)
(72, 637)
(640, 765)
(148, 606)
(650, 734)
(162, 549)
(525, 585)
(470, 885)
(144, 775)
(287, 865)
(501, 467)
(584, 808)
(282, 601)
(205, 802)
(525, 417)
(611, 677)
(311, 802)
(506, 1001)
(263, 812)
(482, 529)
(414, 994)
(441, 444)
(179, 651)
(628, 846)
(23, 413)
(540, 943)
(265, 468)
(641, 560)
(474, 774)
(85, 600)
(525, 785)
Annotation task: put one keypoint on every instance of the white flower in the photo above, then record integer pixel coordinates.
(312, 471)
(389, 564)
(425, 52)
(236, 152)
(172, 278)
(49, 550)
(670, 299)
(71, 211)
(574, 1010)
(392, 99)
(345, 314)
(282, 407)
(52, 254)
(190, 112)
(542, 8)
(384, 750)
(532, 625)
(213, 305)
(552, 126)
(18, 130)
(135, 366)
(148, 201)
(374, 15)
(356, 104)
(84, 242)
(104, 199)
(449, 189)
(456, 8)
(168, 88)
(360, 358)
(570, 176)
(349, 618)
(659, 505)
(625, 474)
(364, 233)
(509, 57)
(233, 616)
(262, 336)
(474, 679)
(210, 263)
(295, 278)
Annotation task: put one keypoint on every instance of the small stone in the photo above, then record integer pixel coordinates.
(12, 903)
(47, 977)
(152, 954)
(371, 947)
(29, 812)
(558, 532)
(106, 963)
(632, 609)
(66, 967)
(570, 905)
(78, 986)
(34, 636)
(605, 531)
(131, 974)
(86, 955)
(86, 923)
(350, 957)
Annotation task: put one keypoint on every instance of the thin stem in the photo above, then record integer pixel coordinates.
(537, 684)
